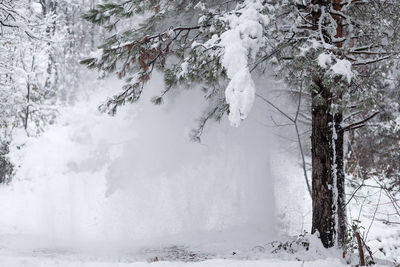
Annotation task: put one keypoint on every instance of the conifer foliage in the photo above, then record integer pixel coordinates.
(341, 53)
(189, 35)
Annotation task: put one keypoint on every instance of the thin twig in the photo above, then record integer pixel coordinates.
(373, 218)
(294, 121)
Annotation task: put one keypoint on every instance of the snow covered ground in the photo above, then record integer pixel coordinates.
(46, 262)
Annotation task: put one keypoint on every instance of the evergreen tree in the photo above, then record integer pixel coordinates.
(337, 51)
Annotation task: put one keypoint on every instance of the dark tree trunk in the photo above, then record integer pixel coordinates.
(341, 197)
(28, 100)
(6, 167)
(328, 199)
(322, 180)
(328, 187)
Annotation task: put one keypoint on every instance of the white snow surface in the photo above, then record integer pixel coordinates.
(241, 44)
(324, 60)
(343, 67)
(11, 261)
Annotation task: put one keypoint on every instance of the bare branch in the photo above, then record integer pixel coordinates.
(359, 124)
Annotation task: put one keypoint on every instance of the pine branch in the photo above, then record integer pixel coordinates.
(358, 124)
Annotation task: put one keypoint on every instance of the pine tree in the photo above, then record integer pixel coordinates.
(337, 51)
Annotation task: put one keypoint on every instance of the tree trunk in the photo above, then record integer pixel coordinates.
(341, 197)
(6, 167)
(322, 180)
(49, 7)
(328, 187)
(28, 102)
(328, 199)
(340, 182)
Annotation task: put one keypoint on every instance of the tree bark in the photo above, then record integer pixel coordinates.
(322, 180)
(328, 199)
(6, 167)
(28, 102)
(328, 188)
(341, 197)
(340, 182)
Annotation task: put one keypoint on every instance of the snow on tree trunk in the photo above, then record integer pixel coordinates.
(322, 180)
(340, 197)
(327, 172)
(328, 190)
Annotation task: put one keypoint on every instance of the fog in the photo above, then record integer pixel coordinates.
(136, 179)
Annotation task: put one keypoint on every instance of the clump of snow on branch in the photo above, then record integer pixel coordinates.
(343, 67)
(324, 60)
(241, 43)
